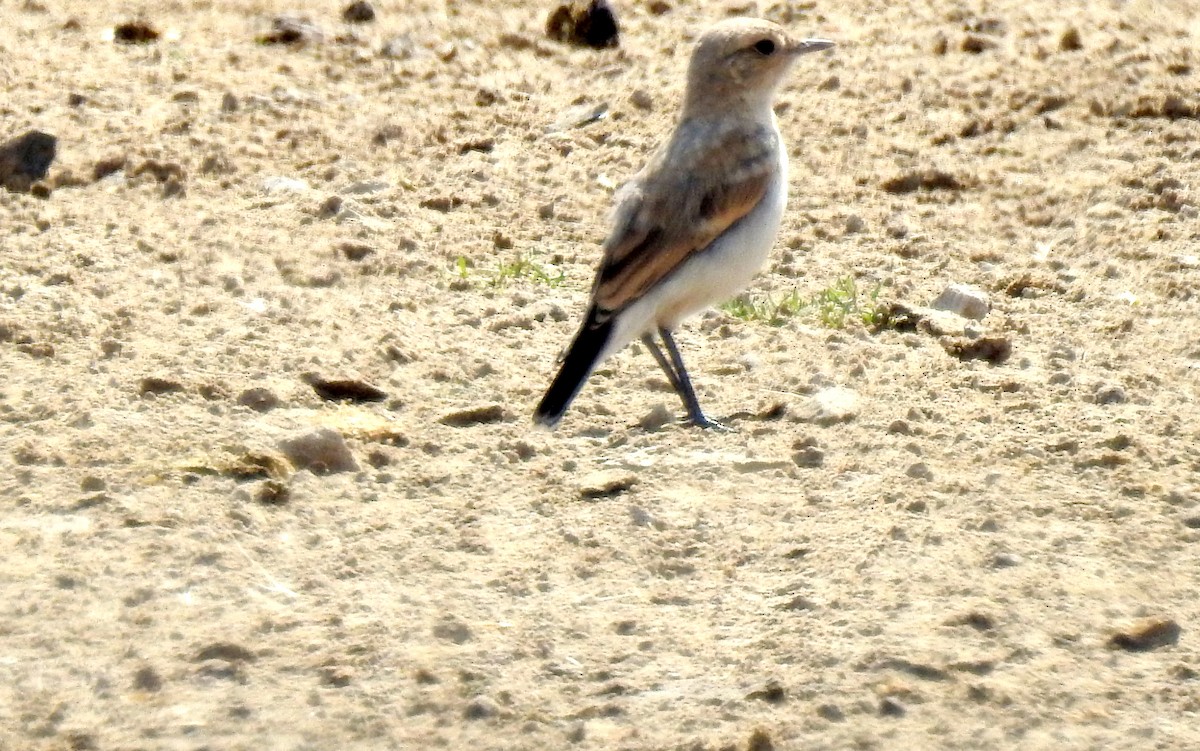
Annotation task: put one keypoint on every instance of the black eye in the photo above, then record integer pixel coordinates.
(765, 47)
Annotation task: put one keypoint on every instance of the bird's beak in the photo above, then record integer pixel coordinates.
(804, 46)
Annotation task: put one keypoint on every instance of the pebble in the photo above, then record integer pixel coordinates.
(483, 415)
(584, 23)
(965, 300)
(830, 406)
(321, 451)
(258, 399)
(135, 32)
(481, 708)
(24, 160)
(1110, 393)
(453, 630)
(656, 418)
(809, 458)
(291, 30)
(359, 12)
(605, 484)
(1147, 635)
(156, 385)
(919, 471)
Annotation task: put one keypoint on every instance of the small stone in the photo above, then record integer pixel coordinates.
(809, 457)
(453, 630)
(830, 406)
(258, 399)
(481, 708)
(991, 349)
(1070, 41)
(919, 471)
(772, 693)
(760, 741)
(272, 493)
(891, 707)
(641, 99)
(830, 712)
(92, 484)
(584, 23)
(965, 300)
(975, 44)
(855, 224)
(25, 160)
(475, 416)
(1005, 560)
(227, 651)
(605, 484)
(1146, 635)
(291, 30)
(344, 389)
(1110, 393)
(135, 32)
(108, 165)
(156, 385)
(359, 12)
(321, 451)
(147, 679)
(229, 102)
(656, 418)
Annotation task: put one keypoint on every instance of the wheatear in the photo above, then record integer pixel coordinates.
(695, 225)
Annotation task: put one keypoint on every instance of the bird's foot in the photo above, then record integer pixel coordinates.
(699, 420)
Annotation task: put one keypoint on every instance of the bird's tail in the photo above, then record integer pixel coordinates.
(577, 365)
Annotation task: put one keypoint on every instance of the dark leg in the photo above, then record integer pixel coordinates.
(684, 387)
(652, 345)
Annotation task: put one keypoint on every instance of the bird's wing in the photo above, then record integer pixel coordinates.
(685, 198)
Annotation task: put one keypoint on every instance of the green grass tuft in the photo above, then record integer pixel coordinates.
(520, 268)
(833, 306)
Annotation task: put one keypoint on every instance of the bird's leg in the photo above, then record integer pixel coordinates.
(683, 386)
(661, 359)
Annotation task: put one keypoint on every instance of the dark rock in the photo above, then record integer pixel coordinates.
(760, 741)
(584, 23)
(1146, 636)
(322, 451)
(108, 165)
(258, 399)
(930, 179)
(227, 651)
(291, 30)
(359, 12)
(156, 385)
(991, 349)
(147, 679)
(135, 32)
(25, 160)
(272, 493)
(344, 389)
(475, 416)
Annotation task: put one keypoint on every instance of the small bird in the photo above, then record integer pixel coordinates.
(696, 224)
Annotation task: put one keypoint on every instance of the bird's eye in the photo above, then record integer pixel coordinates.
(765, 47)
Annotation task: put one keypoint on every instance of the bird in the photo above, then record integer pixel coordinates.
(695, 225)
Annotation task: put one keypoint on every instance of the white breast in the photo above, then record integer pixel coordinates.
(714, 275)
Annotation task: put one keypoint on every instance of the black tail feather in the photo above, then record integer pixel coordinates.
(576, 367)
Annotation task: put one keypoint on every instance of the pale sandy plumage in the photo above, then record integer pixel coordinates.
(696, 223)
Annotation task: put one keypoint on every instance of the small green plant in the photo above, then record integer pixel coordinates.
(832, 306)
(521, 267)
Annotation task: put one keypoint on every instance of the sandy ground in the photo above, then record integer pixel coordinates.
(971, 554)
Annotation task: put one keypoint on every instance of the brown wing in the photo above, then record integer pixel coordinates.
(666, 217)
